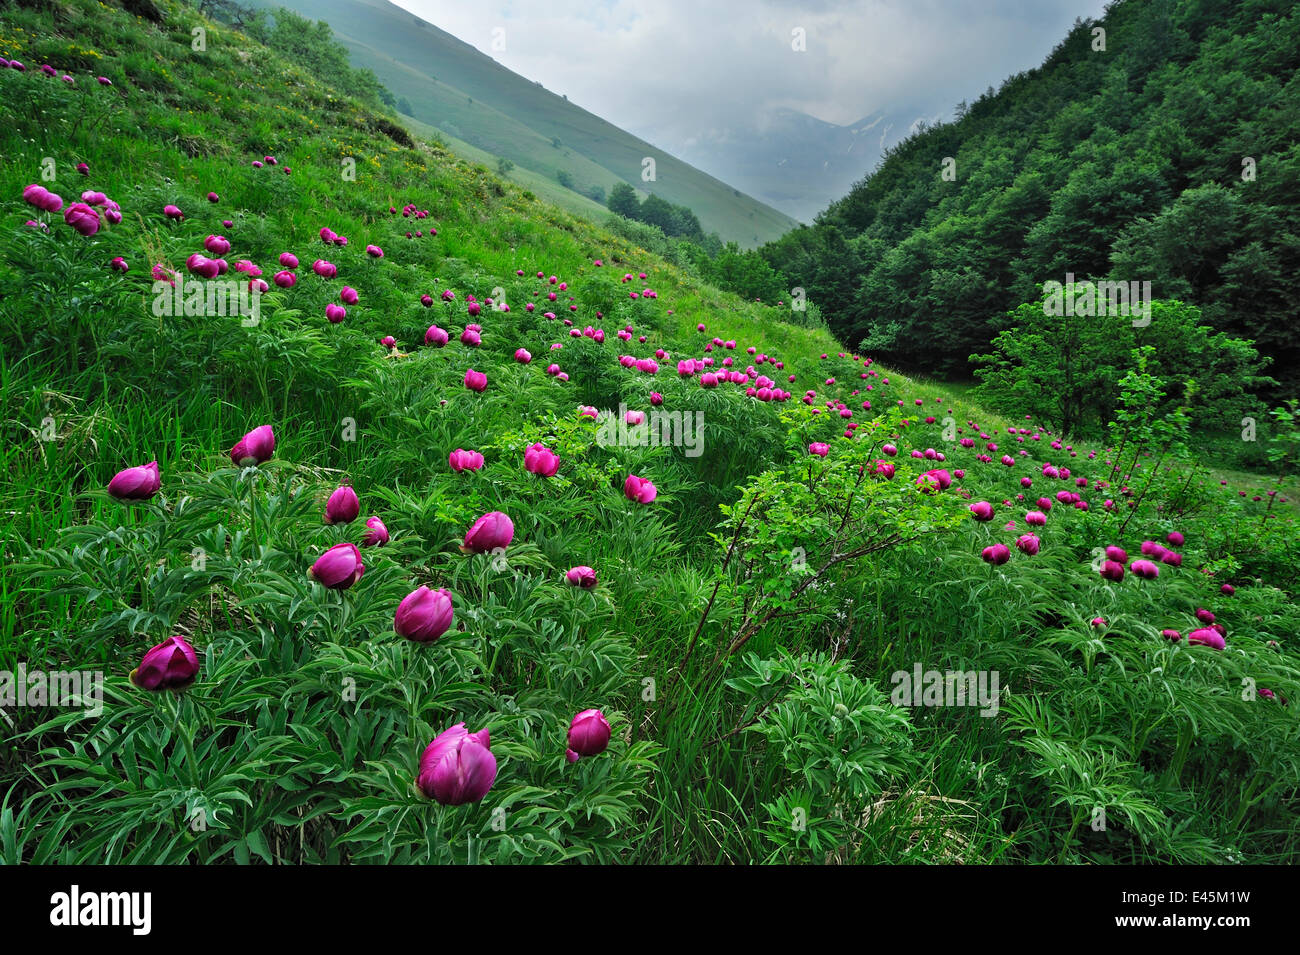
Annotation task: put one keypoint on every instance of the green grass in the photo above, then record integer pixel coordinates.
(743, 699)
(547, 189)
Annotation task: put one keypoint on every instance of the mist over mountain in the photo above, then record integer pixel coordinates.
(796, 162)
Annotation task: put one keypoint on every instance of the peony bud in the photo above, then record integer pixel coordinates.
(339, 567)
(424, 615)
(494, 529)
(171, 665)
(589, 734)
(342, 506)
(376, 533)
(1028, 544)
(639, 489)
(254, 448)
(996, 554)
(581, 576)
(1207, 637)
(136, 484)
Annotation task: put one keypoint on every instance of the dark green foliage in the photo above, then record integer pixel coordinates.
(1065, 369)
(1171, 156)
(673, 221)
(623, 201)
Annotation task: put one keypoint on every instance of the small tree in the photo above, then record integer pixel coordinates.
(1064, 369)
(623, 202)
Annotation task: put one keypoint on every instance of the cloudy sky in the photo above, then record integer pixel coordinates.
(667, 69)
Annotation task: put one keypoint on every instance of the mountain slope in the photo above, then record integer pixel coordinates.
(796, 162)
(452, 86)
(1169, 157)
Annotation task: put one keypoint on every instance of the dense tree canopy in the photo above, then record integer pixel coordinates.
(1166, 150)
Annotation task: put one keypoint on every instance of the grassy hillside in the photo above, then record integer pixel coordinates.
(546, 189)
(755, 616)
(468, 95)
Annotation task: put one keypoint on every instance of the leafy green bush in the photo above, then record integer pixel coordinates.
(1064, 368)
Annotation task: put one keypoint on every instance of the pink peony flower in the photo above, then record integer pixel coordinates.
(343, 506)
(1207, 637)
(136, 484)
(589, 734)
(541, 460)
(461, 460)
(1028, 544)
(581, 576)
(171, 665)
(494, 529)
(339, 567)
(457, 767)
(254, 448)
(82, 218)
(424, 615)
(639, 489)
(376, 533)
(1144, 569)
(996, 554)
